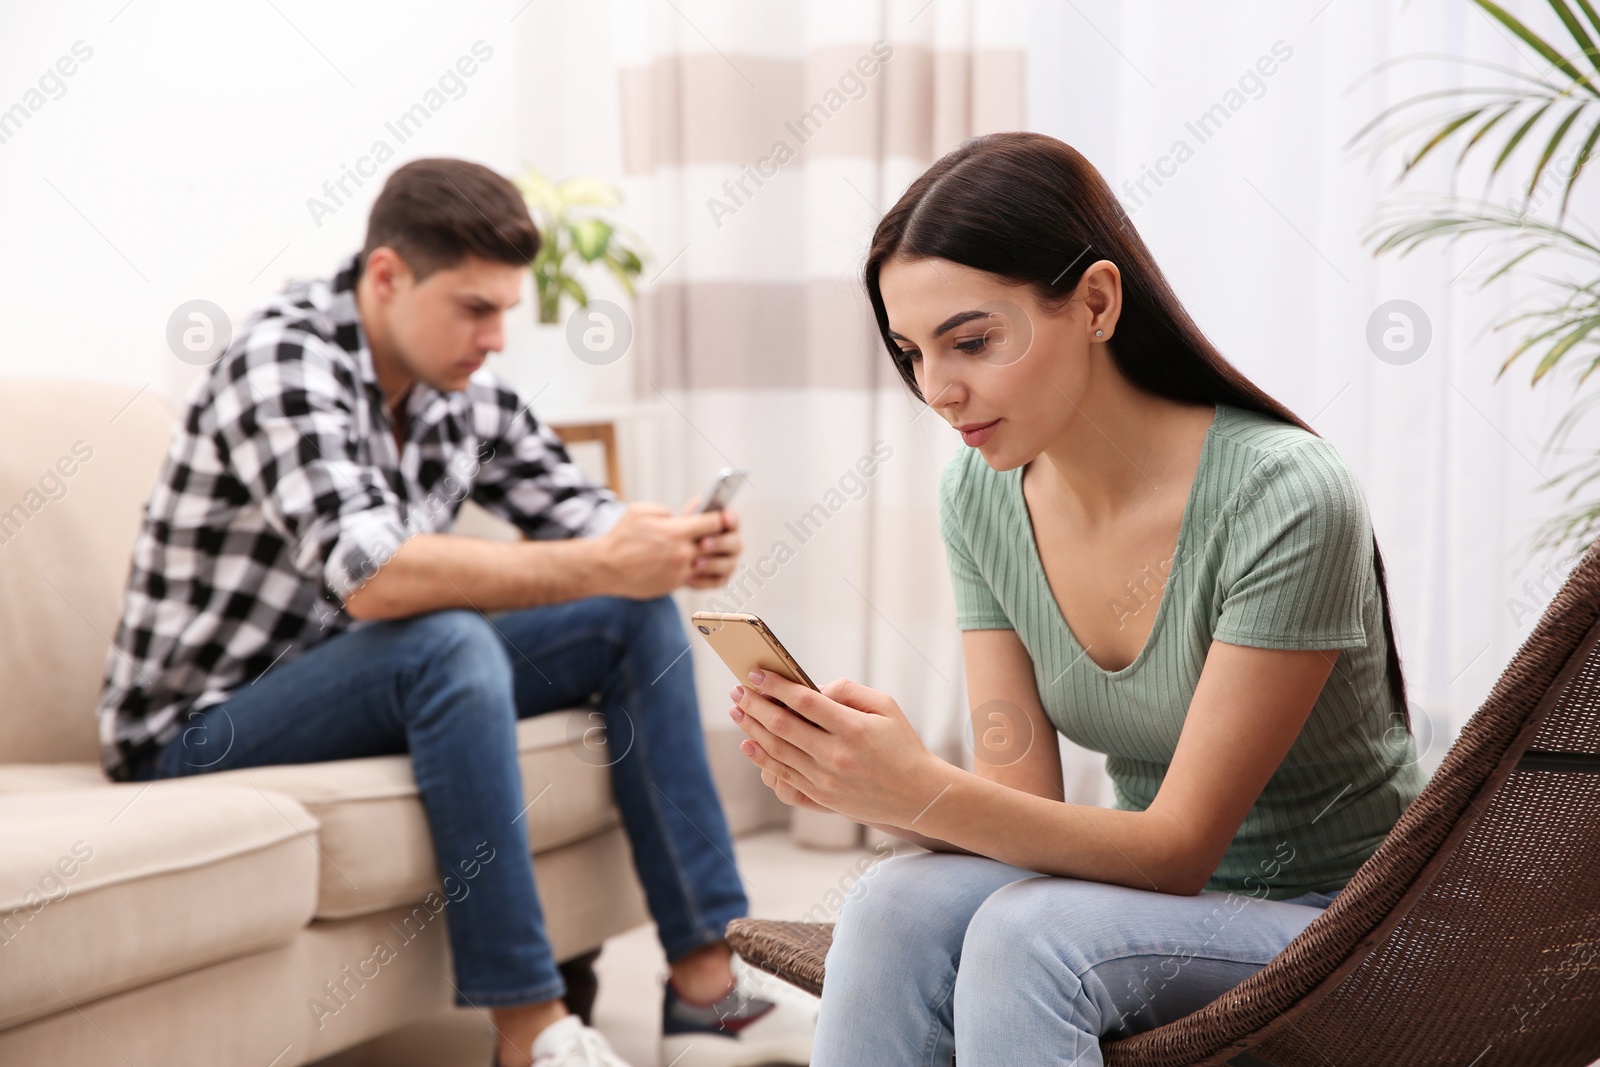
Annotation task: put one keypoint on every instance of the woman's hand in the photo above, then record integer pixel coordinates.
(857, 755)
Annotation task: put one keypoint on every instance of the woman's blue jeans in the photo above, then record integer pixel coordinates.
(448, 687)
(940, 955)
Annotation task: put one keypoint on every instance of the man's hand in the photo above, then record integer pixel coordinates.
(719, 553)
(650, 551)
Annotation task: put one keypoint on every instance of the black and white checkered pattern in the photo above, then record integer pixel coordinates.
(283, 491)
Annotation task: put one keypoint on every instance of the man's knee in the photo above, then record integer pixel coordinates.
(623, 620)
(659, 614)
(446, 626)
(456, 642)
(651, 633)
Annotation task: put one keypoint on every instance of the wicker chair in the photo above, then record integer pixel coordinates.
(1472, 935)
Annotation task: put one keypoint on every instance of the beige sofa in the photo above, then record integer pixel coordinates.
(262, 917)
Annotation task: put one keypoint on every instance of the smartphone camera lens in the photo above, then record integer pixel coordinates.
(703, 629)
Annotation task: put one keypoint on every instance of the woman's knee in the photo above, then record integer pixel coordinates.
(877, 889)
(1055, 932)
(901, 926)
(921, 897)
(883, 919)
(879, 911)
(897, 884)
(1024, 923)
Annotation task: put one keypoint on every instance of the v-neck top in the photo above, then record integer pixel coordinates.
(1274, 550)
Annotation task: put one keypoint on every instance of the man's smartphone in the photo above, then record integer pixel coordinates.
(745, 644)
(723, 487)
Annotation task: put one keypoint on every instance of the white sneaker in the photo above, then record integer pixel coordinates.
(569, 1043)
(763, 1020)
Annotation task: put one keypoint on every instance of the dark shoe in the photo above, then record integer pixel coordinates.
(762, 1020)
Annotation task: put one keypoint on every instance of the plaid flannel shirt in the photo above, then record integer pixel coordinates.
(283, 491)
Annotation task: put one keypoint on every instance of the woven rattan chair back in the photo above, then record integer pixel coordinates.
(1472, 936)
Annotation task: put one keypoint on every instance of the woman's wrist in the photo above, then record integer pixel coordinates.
(930, 789)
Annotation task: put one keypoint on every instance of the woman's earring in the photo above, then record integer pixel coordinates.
(1099, 333)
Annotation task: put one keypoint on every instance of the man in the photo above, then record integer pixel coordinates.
(295, 597)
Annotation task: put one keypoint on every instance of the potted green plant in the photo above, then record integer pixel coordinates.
(1553, 117)
(579, 232)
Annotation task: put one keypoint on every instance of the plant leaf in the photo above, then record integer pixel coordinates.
(1444, 132)
(1497, 92)
(1512, 262)
(539, 193)
(1516, 138)
(1561, 347)
(1574, 27)
(1485, 128)
(1589, 13)
(1550, 149)
(620, 272)
(590, 237)
(1535, 42)
(570, 286)
(588, 192)
(1584, 154)
(628, 258)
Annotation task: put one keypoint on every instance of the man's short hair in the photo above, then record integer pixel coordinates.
(437, 212)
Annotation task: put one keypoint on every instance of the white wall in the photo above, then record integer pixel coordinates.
(179, 157)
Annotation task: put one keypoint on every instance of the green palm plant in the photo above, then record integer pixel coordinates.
(1553, 117)
(577, 230)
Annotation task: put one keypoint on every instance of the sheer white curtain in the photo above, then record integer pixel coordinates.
(761, 144)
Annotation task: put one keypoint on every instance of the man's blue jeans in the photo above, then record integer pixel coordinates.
(448, 687)
(941, 958)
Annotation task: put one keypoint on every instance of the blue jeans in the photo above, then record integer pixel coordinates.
(941, 958)
(448, 687)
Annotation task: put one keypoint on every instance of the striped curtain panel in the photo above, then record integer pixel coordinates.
(762, 142)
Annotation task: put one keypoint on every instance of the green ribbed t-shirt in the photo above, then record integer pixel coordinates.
(1274, 550)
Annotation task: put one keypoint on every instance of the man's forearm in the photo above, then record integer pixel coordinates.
(431, 572)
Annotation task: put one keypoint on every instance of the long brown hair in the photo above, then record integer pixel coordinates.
(1029, 208)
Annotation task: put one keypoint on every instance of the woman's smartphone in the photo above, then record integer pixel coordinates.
(726, 483)
(745, 644)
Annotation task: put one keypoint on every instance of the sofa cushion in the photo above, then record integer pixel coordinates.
(50, 777)
(108, 888)
(274, 1008)
(376, 848)
(375, 836)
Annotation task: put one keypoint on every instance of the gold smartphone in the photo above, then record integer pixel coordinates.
(745, 644)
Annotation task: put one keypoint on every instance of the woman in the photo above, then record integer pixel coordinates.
(1152, 557)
